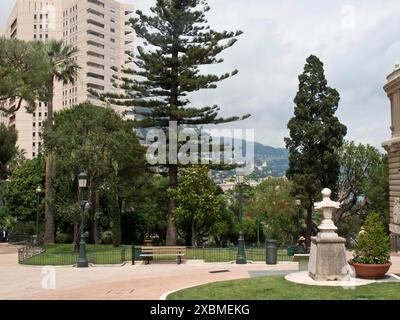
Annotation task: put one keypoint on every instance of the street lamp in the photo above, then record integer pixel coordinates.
(82, 261)
(241, 254)
(38, 192)
(298, 204)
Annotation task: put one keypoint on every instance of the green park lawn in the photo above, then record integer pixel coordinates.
(277, 288)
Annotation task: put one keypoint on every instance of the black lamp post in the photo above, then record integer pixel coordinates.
(82, 261)
(38, 192)
(298, 204)
(241, 254)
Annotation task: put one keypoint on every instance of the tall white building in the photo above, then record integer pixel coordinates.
(99, 29)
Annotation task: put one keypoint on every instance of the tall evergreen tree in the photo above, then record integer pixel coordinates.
(179, 41)
(316, 136)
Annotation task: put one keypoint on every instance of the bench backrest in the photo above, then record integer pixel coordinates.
(161, 250)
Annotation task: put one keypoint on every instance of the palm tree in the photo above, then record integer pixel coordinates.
(64, 69)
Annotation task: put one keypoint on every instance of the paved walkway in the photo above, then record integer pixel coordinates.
(121, 283)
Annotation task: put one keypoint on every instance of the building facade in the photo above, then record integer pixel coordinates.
(392, 146)
(99, 29)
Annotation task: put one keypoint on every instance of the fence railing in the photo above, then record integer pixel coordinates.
(31, 256)
(37, 255)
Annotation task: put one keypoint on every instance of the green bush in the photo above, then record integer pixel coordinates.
(62, 237)
(373, 245)
(106, 237)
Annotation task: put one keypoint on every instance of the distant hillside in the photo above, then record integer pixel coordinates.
(269, 161)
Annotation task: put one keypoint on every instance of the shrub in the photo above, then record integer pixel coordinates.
(62, 237)
(106, 237)
(373, 245)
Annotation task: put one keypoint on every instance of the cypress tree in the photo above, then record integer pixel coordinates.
(316, 136)
(177, 41)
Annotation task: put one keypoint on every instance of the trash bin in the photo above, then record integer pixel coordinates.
(272, 251)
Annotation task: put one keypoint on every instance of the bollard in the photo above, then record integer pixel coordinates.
(133, 254)
(271, 251)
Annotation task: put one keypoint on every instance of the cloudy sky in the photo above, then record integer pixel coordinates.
(358, 41)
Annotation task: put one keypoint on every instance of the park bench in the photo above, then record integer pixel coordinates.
(150, 252)
(302, 259)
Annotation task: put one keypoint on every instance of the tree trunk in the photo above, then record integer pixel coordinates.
(116, 228)
(50, 172)
(309, 224)
(172, 235)
(194, 235)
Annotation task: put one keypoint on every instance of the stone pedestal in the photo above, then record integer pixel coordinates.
(328, 260)
(328, 252)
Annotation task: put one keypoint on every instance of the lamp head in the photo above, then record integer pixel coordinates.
(82, 179)
(38, 189)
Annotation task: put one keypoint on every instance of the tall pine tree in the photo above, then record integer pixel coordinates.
(178, 42)
(316, 136)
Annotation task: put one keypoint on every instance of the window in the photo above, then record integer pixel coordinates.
(40, 36)
(97, 34)
(95, 75)
(95, 65)
(112, 40)
(45, 114)
(34, 27)
(33, 144)
(95, 86)
(96, 13)
(112, 10)
(96, 44)
(97, 24)
(33, 134)
(34, 114)
(47, 36)
(95, 54)
(40, 124)
(112, 30)
(40, 114)
(35, 16)
(112, 19)
(41, 17)
(34, 36)
(97, 3)
(33, 154)
(34, 124)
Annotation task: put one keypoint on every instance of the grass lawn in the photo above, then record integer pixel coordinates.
(277, 288)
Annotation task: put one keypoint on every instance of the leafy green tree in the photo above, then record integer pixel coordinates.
(8, 149)
(98, 141)
(274, 206)
(24, 71)
(64, 68)
(20, 194)
(316, 136)
(179, 43)
(199, 203)
(363, 181)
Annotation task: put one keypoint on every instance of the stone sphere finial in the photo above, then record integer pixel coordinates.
(326, 193)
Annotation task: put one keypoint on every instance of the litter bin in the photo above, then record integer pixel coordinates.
(272, 251)
(291, 251)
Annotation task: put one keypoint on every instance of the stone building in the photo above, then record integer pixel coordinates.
(392, 146)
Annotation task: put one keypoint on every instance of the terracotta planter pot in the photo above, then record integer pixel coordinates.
(370, 271)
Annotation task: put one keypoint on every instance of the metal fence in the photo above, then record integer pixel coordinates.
(37, 255)
(30, 255)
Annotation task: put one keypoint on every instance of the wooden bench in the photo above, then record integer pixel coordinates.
(150, 252)
(302, 259)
